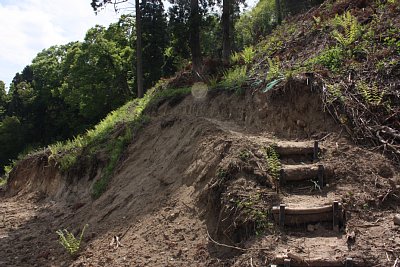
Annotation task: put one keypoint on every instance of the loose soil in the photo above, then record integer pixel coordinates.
(194, 189)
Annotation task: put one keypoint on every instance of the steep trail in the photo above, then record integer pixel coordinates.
(193, 173)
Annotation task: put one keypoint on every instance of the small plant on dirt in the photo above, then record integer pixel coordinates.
(213, 81)
(221, 173)
(351, 29)
(234, 78)
(236, 57)
(262, 223)
(330, 58)
(274, 71)
(244, 155)
(334, 92)
(248, 54)
(274, 165)
(69, 241)
(370, 94)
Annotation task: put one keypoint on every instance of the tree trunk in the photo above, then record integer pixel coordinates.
(194, 27)
(139, 60)
(278, 11)
(226, 39)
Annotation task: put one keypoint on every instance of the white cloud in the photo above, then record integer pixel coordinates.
(28, 26)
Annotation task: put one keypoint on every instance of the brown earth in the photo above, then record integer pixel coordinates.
(193, 189)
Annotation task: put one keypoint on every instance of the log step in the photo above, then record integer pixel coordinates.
(296, 173)
(287, 216)
(287, 149)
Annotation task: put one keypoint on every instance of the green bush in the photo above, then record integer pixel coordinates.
(330, 58)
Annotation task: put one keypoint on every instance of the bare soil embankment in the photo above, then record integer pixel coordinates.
(193, 189)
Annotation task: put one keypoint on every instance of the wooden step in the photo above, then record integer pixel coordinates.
(290, 216)
(304, 172)
(287, 149)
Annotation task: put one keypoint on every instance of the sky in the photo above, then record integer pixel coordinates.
(29, 26)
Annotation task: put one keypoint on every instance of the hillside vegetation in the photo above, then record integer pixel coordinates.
(195, 173)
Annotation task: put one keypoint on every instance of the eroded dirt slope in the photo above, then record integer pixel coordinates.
(194, 189)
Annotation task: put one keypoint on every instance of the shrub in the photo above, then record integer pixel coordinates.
(330, 58)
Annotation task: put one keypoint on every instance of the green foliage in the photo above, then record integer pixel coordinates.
(69, 241)
(255, 23)
(66, 153)
(351, 29)
(334, 93)
(392, 39)
(236, 57)
(370, 94)
(250, 207)
(173, 95)
(234, 79)
(248, 54)
(273, 43)
(274, 71)
(12, 134)
(274, 164)
(331, 58)
(115, 150)
(221, 173)
(244, 155)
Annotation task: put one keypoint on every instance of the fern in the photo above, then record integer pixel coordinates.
(248, 54)
(235, 58)
(370, 94)
(351, 29)
(272, 158)
(234, 79)
(274, 71)
(69, 241)
(334, 92)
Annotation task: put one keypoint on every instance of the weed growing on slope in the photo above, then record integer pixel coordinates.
(272, 158)
(69, 241)
(248, 54)
(371, 94)
(274, 71)
(244, 155)
(331, 58)
(234, 79)
(350, 29)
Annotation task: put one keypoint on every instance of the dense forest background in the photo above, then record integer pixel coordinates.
(69, 88)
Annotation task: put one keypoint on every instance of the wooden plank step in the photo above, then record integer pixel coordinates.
(288, 216)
